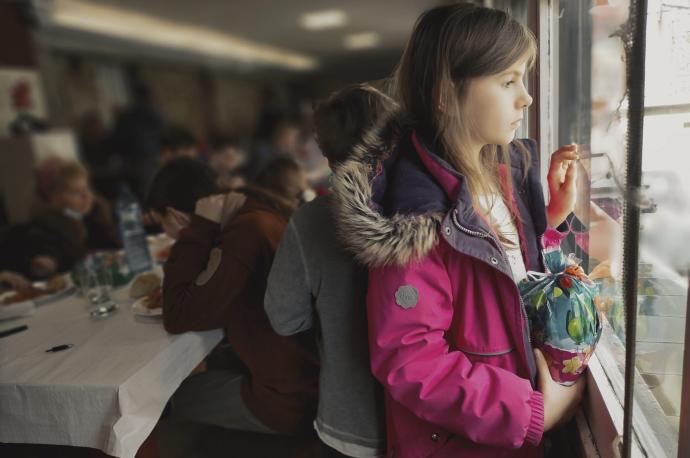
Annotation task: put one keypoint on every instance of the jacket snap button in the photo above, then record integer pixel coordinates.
(447, 230)
(435, 437)
(494, 261)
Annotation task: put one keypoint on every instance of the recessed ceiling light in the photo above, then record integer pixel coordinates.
(362, 40)
(134, 26)
(325, 19)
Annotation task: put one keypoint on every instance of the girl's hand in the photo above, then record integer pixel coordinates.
(560, 402)
(562, 190)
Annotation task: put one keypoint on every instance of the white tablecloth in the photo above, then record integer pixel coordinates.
(107, 392)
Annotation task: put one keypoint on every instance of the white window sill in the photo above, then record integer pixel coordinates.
(603, 408)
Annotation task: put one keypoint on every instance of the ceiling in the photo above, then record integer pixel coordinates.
(264, 22)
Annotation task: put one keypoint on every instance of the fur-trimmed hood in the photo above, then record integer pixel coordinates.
(393, 194)
(381, 221)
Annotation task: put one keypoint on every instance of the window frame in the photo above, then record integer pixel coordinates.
(601, 417)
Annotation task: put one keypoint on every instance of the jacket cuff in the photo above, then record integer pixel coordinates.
(535, 430)
(552, 238)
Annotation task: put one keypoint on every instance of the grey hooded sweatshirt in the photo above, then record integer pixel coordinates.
(315, 283)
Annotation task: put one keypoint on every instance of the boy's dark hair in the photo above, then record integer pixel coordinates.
(176, 137)
(342, 118)
(281, 176)
(180, 183)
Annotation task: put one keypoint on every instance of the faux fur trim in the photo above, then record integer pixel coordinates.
(374, 239)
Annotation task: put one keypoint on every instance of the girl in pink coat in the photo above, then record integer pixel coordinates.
(445, 208)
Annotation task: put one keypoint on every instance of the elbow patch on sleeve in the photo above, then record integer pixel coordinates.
(214, 259)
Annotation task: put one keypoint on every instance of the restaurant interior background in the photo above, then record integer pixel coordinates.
(240, 69)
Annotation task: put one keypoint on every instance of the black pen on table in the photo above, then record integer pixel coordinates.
(9, 332)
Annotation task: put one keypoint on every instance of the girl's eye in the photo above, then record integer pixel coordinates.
(509, 83)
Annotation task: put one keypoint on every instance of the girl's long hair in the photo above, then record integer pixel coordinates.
(449, 46)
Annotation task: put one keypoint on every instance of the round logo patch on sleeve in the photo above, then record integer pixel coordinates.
(407, 296)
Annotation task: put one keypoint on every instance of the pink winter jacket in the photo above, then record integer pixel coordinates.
(447, 329)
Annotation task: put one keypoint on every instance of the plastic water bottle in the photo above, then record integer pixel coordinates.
(132, 232)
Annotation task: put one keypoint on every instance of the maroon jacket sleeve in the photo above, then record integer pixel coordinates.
(203, 281)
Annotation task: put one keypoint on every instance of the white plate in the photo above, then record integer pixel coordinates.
(69, 288)
(45, 298)
(16, 310)
(140, 309)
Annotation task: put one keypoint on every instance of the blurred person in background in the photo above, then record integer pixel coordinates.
(91, 137)
(310, 155)
(283, 141)
(68, 222)
(227, 158)
(271, 113)
(177, 141)
(94, 153)
(134, 142)
(315, 283)
(215, 278)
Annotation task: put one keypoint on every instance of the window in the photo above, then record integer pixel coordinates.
(584, 100)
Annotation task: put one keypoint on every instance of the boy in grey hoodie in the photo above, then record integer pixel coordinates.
(315, 283)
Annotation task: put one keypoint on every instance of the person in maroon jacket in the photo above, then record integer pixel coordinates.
(216, 278)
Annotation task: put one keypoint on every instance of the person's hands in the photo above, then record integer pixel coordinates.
(562, 179)
(43, 266)
(560, 402)
(211, 207)
(173, 222)
(14, 280)
(150, 218)
(231, 206)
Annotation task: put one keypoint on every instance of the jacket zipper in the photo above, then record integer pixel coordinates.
(485, 235)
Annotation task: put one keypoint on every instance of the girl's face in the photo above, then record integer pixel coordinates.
(497, 104)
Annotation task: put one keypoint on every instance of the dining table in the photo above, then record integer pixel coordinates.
(72, 378)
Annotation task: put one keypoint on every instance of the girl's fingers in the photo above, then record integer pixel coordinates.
(565, 154)
(570, 147)
(555, 176)
(561, 161)
(541, 361)
(570, 174)
(561, 155)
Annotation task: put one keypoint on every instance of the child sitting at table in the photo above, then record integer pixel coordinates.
(68, 222)
(215, 278)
